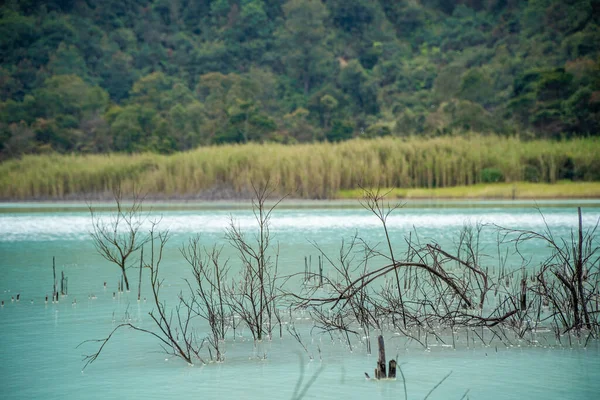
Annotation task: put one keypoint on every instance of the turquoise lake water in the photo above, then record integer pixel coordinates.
(39, 358)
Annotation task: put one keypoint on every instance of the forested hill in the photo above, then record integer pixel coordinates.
(170, 75)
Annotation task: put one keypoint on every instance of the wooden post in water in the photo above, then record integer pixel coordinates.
(380, 370)
(305, 269)
(62, 283)
(524, 294)
(140, 281)
(54, 273)
(320, 272)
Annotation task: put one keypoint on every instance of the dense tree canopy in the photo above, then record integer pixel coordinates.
(165, 76)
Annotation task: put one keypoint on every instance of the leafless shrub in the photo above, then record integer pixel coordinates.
(119, 238)
(254, 295)
(428, 293)
(567, 280)
(434, 290)
(208, 294)
(174, 329)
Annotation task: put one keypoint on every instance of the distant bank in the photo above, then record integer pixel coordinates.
(501, 191)
(452, 167)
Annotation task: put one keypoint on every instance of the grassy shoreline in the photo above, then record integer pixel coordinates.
(495, 191)
(442, 165)
(563, 190)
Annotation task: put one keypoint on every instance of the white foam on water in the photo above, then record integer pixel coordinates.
(32, 227)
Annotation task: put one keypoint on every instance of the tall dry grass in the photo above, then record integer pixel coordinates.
(307, 170)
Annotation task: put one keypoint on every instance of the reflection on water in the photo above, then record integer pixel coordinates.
(38, 346)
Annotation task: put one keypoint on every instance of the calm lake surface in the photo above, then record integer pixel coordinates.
(39, 358)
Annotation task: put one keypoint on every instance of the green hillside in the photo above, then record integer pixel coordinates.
(171, 75)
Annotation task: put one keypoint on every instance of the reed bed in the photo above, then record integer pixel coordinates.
(316, 171)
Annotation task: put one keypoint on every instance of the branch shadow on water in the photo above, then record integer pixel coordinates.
(301, 389)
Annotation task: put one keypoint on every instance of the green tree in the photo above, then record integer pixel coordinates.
(53, 30)
(581, 111)
(67, 60)
(254, 21)
(126, 129)
(477, 86)
(118, 75)
(152, 90)
(352, 15)
(10, 88)
(446, 85)
(354, 81)
(296, 123)
(329, 104)
(186, 125)
(301, 40)
(537, 98)
(17, 33)
(16, 139)
(70, 95)
(340, 130)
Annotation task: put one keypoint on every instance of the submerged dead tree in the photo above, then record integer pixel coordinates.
(173, 327)
(374, 201)
(212, 296)
(118, 237)
(427, 293)
(207, 293)
(433, 291)
(568, 278)
(254, 295)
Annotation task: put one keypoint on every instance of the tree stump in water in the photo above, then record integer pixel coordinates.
(380, 372)
(392, 370)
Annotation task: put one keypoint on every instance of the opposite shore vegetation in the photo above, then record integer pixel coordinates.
(321, 170)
